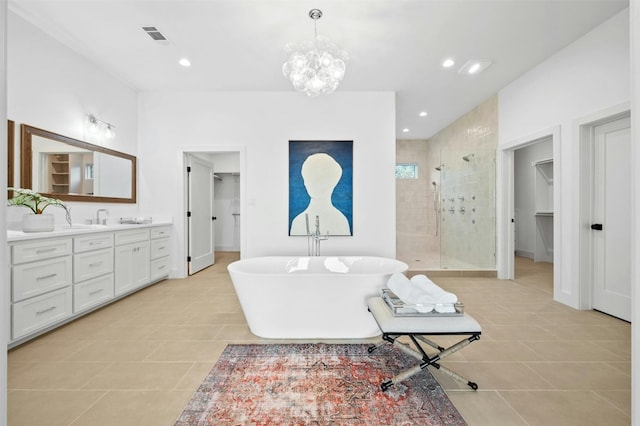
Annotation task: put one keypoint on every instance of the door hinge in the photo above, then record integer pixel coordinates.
(214, 218)
(188, 169)
(188, 258)
(596, 227)
(188, 214)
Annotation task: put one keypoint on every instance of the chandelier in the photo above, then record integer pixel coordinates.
(315, 66)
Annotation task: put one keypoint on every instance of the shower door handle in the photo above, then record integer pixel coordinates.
(596, 227)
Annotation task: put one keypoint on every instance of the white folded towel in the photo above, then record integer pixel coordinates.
(422, 293)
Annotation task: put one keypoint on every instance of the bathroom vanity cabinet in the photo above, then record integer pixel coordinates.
(92, 270)
(131, 260)
(41, 279)
(159, 252)
(59, 276)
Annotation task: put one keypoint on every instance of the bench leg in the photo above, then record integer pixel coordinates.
(426, 361)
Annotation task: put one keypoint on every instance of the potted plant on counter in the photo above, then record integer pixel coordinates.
(37, 203)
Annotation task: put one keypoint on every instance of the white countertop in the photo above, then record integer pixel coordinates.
(78, 229)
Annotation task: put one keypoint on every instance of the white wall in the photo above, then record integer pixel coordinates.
(635, 213)
(226, 162)
(4, 292)
(524, 191)
(589, 75)
(53, 88)
(262, 124)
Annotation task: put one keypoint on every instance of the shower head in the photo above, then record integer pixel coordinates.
(468, 157)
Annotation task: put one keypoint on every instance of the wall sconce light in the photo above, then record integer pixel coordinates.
(95, 126)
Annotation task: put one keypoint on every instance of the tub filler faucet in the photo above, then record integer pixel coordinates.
(313, 239)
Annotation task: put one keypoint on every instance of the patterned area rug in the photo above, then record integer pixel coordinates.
(316, 384)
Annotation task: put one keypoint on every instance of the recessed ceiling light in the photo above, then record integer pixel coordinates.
(474, 66)
(448, 63)
(185, 62)
(405, 130)
(423, 114)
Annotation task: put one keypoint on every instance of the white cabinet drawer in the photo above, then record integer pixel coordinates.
(159, 248)
(92, 242)
(92, 292)
(160, 268)
(132, 236)
(40, 250)
(92, 264)
(160, 232)
(36, 278)
(39, 312)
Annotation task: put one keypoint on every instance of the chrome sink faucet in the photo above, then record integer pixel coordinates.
(104, 221)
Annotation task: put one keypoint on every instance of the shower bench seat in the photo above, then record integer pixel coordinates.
(416, 328)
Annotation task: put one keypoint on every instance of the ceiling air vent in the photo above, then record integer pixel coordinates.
(155, 34)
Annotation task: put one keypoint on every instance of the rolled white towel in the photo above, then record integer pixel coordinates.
(442, 300)
(401, 286)
(445, 309)
(408, 293)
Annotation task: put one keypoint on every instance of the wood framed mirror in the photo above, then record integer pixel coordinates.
(62, 167)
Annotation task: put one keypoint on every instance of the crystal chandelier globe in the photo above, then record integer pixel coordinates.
(315, 66)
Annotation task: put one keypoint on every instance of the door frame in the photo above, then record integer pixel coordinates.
(181, 223)
(584, 128)
(505, 196)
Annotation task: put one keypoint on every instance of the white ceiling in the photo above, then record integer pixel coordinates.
(394, 45)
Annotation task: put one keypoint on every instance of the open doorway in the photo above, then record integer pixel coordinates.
(544, 229)
(533, 211)
(227, 168)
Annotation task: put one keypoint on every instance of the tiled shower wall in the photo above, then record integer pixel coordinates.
(429, 235)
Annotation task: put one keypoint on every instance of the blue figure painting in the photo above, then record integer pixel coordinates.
(321, 186)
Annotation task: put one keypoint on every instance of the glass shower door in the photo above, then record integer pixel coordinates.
(467, 209)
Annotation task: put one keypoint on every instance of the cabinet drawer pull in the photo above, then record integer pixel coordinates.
(161, 248)
(45, 250)
(95, 292)
(162, 266)
(93, 243)
(44, 311)
(91, 265)
(44, 277)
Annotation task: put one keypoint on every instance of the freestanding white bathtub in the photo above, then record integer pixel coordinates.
(320, 297)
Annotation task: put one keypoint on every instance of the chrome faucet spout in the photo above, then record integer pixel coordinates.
(104, 221)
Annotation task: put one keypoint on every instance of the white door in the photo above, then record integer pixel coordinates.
(611, 219)
(200, 214)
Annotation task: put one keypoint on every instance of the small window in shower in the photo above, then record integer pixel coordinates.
(407, 171)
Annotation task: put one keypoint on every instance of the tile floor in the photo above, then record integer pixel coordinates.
(138, 361)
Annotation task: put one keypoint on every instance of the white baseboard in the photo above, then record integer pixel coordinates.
(524, 253)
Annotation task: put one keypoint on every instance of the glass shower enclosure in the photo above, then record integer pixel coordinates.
(466, 209)
(456, 226)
